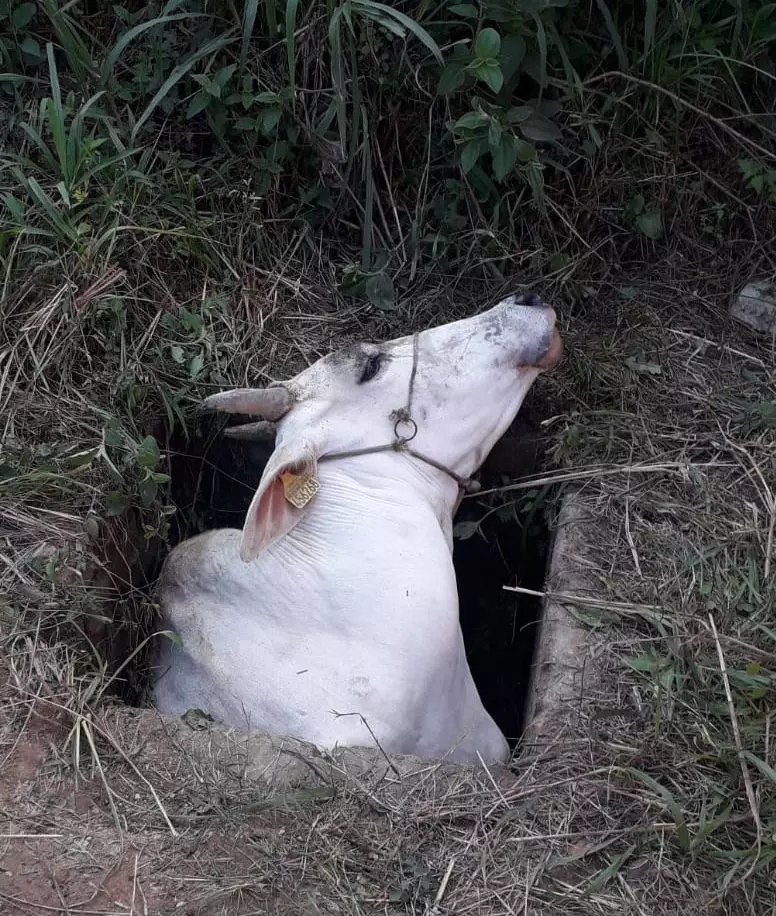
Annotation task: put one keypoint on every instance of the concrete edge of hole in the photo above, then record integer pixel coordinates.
(564, 666)
(562, 673)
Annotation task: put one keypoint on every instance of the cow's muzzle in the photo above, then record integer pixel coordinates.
(554, 352)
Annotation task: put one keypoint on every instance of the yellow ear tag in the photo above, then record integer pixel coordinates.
(299, 489)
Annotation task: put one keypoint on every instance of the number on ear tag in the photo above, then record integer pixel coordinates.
(299, 489)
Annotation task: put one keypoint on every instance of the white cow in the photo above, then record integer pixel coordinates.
(333, 615)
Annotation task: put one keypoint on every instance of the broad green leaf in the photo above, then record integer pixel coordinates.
(222, 77)
(765, 768)
(490, 73)
(148, 489)
(451, 78)
(472, 120)
(465, 10)
(526, 152)
(495, 133)
(622, 57)
(650, 223)
(196, 365)
(118, 49)
(519, 114)
(115, 503)
(470, 153)
(605, 875)
(269, 119)
(534, 175)
(487, 44)
(22, 15)
(50, 211)
(14, 206)
(511, 56)
(682, 833)
(541, 40)
(148, 454)
(30, 47)
(464, 530)
(540, 129)
(504, 157)
(198, 103)
(379, 291)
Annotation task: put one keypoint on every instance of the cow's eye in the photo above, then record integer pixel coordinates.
(371, 368)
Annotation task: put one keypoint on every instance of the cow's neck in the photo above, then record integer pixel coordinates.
(375, 540)
(389, 482)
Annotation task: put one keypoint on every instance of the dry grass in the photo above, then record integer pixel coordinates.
(662, 419)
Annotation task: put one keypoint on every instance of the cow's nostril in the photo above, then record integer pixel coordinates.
(531, 300)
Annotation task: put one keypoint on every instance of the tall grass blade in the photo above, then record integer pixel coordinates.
(366, 239)
(650, 20)
(541, 40)
(77, 53)
(178, 73)
(619, 50)
(372, 6)
(707, 827)
(271, 16)
(248, 22)
(338, 74)
(128, 37)
(765, 768)
(50, 211)
(291, 7)
(603, 877)
(40, 143)
(682, 833)
(56, 115)
(572, 77)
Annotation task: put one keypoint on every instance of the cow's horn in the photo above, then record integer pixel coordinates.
(270, 403)
(261, 431)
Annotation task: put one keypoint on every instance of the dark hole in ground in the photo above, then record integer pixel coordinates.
(502, 540)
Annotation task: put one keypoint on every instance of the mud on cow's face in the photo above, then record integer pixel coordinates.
(471, 377)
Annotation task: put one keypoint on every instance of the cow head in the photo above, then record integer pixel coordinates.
(471, 377)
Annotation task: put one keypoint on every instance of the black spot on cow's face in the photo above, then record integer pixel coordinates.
(370, 368)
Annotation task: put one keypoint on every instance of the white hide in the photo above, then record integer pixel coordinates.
(339, 624)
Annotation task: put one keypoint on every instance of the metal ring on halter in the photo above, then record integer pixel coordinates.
(410, 422)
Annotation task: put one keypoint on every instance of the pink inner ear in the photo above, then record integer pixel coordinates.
(270, 516)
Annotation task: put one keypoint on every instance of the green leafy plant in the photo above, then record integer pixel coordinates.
(759, 177)
(19, 49)
(644, 216)
(504, 135)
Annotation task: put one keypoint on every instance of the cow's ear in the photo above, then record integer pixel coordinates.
(288, 485)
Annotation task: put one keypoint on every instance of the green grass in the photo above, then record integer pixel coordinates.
(195, 194)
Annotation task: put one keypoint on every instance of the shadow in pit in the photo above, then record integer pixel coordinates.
(500, 540)
(503, 539)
